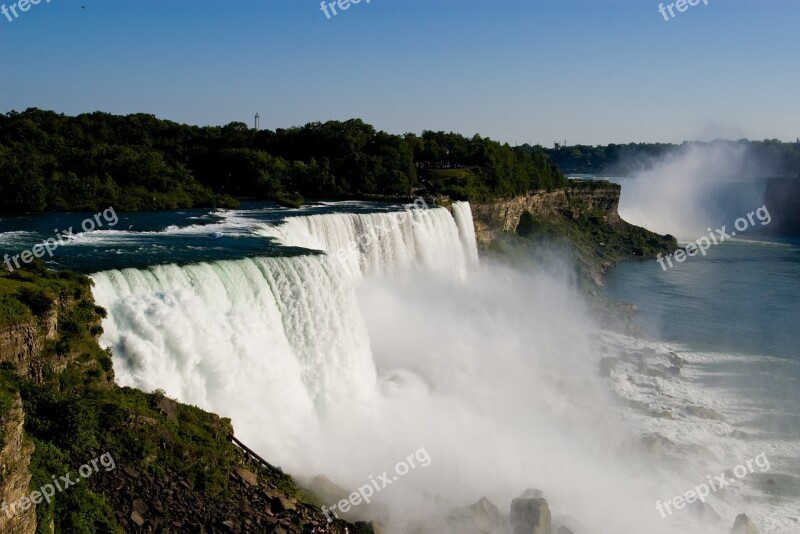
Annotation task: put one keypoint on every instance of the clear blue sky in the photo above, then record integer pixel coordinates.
(588, 71)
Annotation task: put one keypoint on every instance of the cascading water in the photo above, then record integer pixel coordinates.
(381, 243)
(287, 325)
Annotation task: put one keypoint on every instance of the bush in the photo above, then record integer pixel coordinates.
(40, 301)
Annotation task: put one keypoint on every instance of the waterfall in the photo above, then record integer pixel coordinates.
(228, 335)
(382, 243)
(200, 331)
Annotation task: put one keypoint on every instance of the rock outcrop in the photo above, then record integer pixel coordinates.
(530, 516)
(486, 517)
(15, 456)
(504, 215)
(743, 525)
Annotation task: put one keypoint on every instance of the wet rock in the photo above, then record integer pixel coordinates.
(743, 525)
(485, 516)
(676, 360)
(530, 516)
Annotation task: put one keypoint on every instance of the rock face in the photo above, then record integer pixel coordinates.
(743, 525)
(21, 344)
(504, 215)
(530, 516)
(15, 455)
(486, 517)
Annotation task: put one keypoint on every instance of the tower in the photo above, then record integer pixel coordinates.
(258, 120)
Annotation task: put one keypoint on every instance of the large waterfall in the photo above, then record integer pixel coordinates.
(220, 334)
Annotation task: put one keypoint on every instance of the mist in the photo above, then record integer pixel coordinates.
(496, 378)
(696, 187)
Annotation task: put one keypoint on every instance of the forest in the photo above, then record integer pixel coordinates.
(54, 162)
(769, 158)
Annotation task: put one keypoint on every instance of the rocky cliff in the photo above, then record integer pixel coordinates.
(580, 198)
(15, 457)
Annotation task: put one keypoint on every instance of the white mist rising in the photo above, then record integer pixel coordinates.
(491, 370)
(693, 188)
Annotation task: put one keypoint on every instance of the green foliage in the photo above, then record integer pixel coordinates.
(39, 300)
(12, 310)
(481, 169)
(77, 509)
(773, 156)
(53, 162)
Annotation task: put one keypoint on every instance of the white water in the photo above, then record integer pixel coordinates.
(329, 366)
(200, 332)
(383, 243)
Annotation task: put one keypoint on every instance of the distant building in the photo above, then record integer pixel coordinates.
(258, 121)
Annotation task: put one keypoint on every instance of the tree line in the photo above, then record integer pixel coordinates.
(53, 162)
(770, 156)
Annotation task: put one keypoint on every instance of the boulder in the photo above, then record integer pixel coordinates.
(676, 360)
(743, 525)
(169, 408)
(486, 517)
(530, 516)
(247, 476)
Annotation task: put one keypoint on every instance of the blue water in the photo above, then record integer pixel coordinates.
(142, 239)
(742, 299)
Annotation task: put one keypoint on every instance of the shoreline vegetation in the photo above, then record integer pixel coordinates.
(53, 162)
